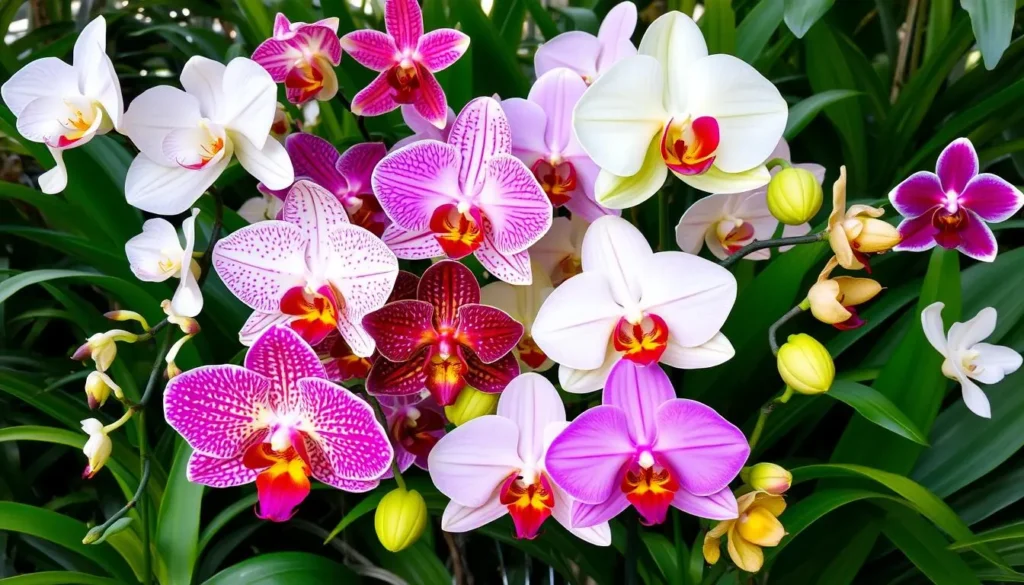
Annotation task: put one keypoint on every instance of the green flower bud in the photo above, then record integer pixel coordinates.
(805, 365)
(471, 404)
(400, 519)
(768, 478)
(794, 196)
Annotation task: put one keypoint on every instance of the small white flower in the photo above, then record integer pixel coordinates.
(261, 208)
(967, 357)
(157, 254)
(97, 448)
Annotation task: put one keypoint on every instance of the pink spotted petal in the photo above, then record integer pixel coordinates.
(277, 57)
(918, 234)
(992, 198)
(917, 194)
(704, 450)
(472, 460)
(357, 164)
(491, 378)
(639, 391)
(557, 93)
(217, 472)
(977, 240)
(316, 160)
(344, 427)
(440, 48)
(447, 285)
(401, 328)
(517, 209)
(282, 356)
(257, 323)
(587, 515)
(260, 262)
(318, 213)
(587, 458)
(361, 268)
(957, 165)
(576, 50)
(403, 20)
(718, 506)
(375, 99)
(217, 408)
(371, 49)
(511, 268)
(410, 183)
(389, 378)
(410, 245)
(489, 332)
(431, 102)
(480, 132)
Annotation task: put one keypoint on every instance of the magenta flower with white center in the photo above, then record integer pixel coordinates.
(952, 206)
(276, 421)
(470, 193)
(303, 57)
(407, 60)
(586, 55)
(646, 448)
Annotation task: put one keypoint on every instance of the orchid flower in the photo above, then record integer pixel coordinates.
(542, 138)
(276, 421)
(313, 270)
(522, 304)
(589, 56)
(266, 206)
(560, 251)
(157, 254)
(856, 232)
(422, 128)
(494, 465)
(710, 119)
(834, 300)
(951, 206)
(470, 193)
(64, 106)
(407, 60)
(303, 57)
(646, 448)
(415, 423)
(443, 341)
(967, 357)
(632, 303)
(187, 138)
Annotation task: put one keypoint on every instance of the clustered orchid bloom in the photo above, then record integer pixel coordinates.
(951, 206)
(646, 448)
(631, 303)
(303, 57)
(710, 119)
(756, 526)
(586, 55)
(967, 357)
(495, 465)
(64, 106)
(560, 251)
(276, 421)
(469, 195)
(443, 341)
(406, 60)
(522, 304)
(835, 300)
(187, 138)
(856, 232)
(415, 424)
(157, 254)
(312, 269)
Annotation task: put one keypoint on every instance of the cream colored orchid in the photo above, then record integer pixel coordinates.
(559, 253)
(522, 304)
(834, 300)
(157, 254)
(855, 232)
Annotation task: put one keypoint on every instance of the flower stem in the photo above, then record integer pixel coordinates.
(154, 373)
(773, 243)
(763, 417)
(777, 162)
(782, 320)
(99, 530)
(397, 473)
(218, 220)
(360, 121)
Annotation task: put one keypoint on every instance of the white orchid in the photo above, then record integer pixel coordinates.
(64, 106)
(187, 138)
(967, 357)
(157, 254)
(262, 208)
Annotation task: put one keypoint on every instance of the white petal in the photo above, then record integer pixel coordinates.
(188, 299)
(718, 181)
(46, 77)
(576, 322)
(934, 332)
(470, 461)
(270, 164)
(257, 323)
(555, 246)
(40, 119)
(965, 335)
(614, 248)
(204, 79)
(56, 179)
(155, 114)
(715, 352)
(615, 192)
(261, 262)
(974, 398)
(250, 100)
(168, 190)
(584, 381)
(693, 295)
(157, 243)
(994, 362)
(697, 220)
(676, 42)
(532, 403)
(459, 518)
(96, 77)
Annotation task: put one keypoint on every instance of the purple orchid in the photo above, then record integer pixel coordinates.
(415, 423)
(587, 55)
(951, 206)
(542, 137)
(468, 195)
(645, 447)
(303, 57)
(407, 60)
(276, 421)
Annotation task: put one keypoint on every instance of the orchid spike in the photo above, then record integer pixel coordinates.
(415, 424)
(303, 57)
(157, 254)
(586, 55)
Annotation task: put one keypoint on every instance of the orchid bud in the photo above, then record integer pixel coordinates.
(400, 519)
(805, 365)
(794, 196)
(127, 316)
(97, 448)
(768, 478)
(870, 235)
(188, 325)
(471, 404)
(99, 535)
(102, 347)
(98, 387)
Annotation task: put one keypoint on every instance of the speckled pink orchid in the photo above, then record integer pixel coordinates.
(470, 194)
(589, 56)
(276, 421)
(313, 270)
(303, 57)
(407, 60)
(646, 448)
(951, 206)
(415, 424)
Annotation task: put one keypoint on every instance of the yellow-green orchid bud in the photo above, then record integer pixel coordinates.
(794, 196)
(768, 478)
(400, 519)
(805, 365)
(127, 316)
(102, 347)
(471, 404)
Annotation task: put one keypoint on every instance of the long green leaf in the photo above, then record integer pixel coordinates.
(177, 529)
(878, 409)
(992, 21)
(940, 13)
(130, 293)
(803, 112)
(719, 26)
(364, 507)
(802, 14)
(289, 568)
(926, 548)
(1010, 532)
(757, 28)
(58, 578)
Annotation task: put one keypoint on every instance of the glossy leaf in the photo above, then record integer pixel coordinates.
(287, 568)
(992, 21)
(177, 527)
(802, 14)
(878, 409)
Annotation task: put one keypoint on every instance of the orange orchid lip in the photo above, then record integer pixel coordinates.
(316, 312)
(528, 504)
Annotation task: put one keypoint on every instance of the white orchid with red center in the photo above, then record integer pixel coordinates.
(469, 195)
(65, 106)
(710, 119)
(303, 57)
(312, 269)
(631, 303)
(187, 138)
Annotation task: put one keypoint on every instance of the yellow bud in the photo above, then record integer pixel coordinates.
(875, 235)
(794, 196)
(98, 387)
(127, 316)
(471, 404)
(400, 519)
(805, 365)
(769, 478)
(102, 347)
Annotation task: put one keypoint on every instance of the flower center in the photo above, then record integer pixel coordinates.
(529, 499)
(80, 117)
(316, 312)
(194, 149)
(404, 79)
(557, 180)
(733, 234)
(642, 342)
(283, 481)
(530, 352)
(339, 360)
(304, 81)
(688, 147)
(445, 369)
(417, 430)
(458, 228)
(949, 225)
(650, 489)
(365, 212)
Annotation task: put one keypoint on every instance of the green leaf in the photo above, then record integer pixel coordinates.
(803, 112)
(364, 507)
(1010, 532)
(287, 568)
(664, 554)
(131, 294)
(495, 69)
(940, 13)
(992, 21)
(418, 564)
(926, 548)
(177, 529)
(802, 14)
(58, 578)
(757, 29)
(878, 409)
(719, 26)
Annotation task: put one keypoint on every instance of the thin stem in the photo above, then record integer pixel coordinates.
(218, 220)
(147, 561)
(360, 121)
(154, 373)
(782, 320)
(777, 162)
(763, 417)
(773, 243)
(99, 530)
(397, 473)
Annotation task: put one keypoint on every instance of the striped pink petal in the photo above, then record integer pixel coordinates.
(401, 328)
(357, 164)
(282, 356)
(511, 268)
(321, 40)
(957, 165)
(517, 209)
(257, 323)
(217, 472)
(259, 262)
(321, 470)
(431, 102)
(489, 332)
(371, 49)
(447, 286)
(480, 132)
(317, 212)
(493, 377)
(277, 57)
(410, 183)
(361, 268)
(412, 245)
(375, 99)
(282, 26)
(440, 48)
(404, 22)
(315, 159)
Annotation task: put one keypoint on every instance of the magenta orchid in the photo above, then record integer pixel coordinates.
(470, 194)
(589, 56)
(303, 57)
(646, 448)
(415, 424)
(951, 206)
(276, 421)
(407, 60)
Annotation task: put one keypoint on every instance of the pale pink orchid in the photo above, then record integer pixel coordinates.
(646, 448)
(560, 251)
(407, 60)
(156, 255)
(589, 56)
(470, 194)
(312, 269)
(276, 421)
(303, 57)
(415, 424)
(494, 465)
(422, 128)
(632, 303)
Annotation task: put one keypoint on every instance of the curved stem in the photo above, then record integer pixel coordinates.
(218, 219)
(98, 531)
(782, 320)
(777, 162)
(154, 373)
(766, 410)
(360, 121)
(773, 243)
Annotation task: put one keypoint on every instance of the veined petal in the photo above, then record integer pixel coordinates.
(282, 356)
(511, 268)
(412, 182)
(278, 57)
(720, 505)
(260, 262)
(957, 165)
(574, 50)
(586, 459)
(698, 219)
(96, 77)
(934, 331)
(167, 190)
(917, 194)
(439, 49)
(493, 377)
(155, 114)
(677, 44)
(46, 77)
(361, 267)
(557, 92)
(527, 121)
(350, 327)
(479, 133)
(401, 328)
(404, 22)
(517, 210)
(322, 470)
(357, 163)
(993, 198)
(431, 102)
(977, 239)
(371, 49)
(269, 164)
(715, 180)
(396, 378)
(488, 331)
(704, 450)
(447, 285)
(250, 100)
(468, 463)
(712, 353)
(458, 518)
(614, 248)
(693, 295)
(615, 33)
(638, 391)
(532, 403)
(203, 78)
(615, 192)
(218, 472)
(375, 99)
(917, 234)
(315, 159)
(411, 245)
(575, 324)
(316, 212)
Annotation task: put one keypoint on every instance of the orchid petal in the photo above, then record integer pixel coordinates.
(203, 78)
(439, 49)
(599, 534)
(250, 101)
(270, 164)
(168, 190)
(147, 250)
(96, 76)
(993, 198)
(575, 324)
(615, 192)
(638, 391)
(357, 163)
(479, 133)
(259, 322)
(975, 398)
(711, 353)
(46, 77)
(447, 286)
(917, 194)
(616, 249)
(698, 219)
(488, 331)
(375, 99)
(532, 403)
(218, 472)
(994, 362)
(678, 45)
(957, 165)
(715, 180)
(720, 505)
(511, 268)
(56, 179)
(396, 378)
(404, 22)
(458, 518)
(260, 262)
(583, 203)
(963, 336)
(934, 332)
(321, 469)
(315, 159)
(517, 210)
(585, 381)
(586, 459)
(400, 328)
(469, 462)
(528, 122)
(188, 298)
(614, 35)
(155, 114)
(593, 515)
(412, 182)
(371, 49)
(557, 92)
(977, 239)
(917, 234)
(431, 102)
(278, 57)
(361, 267)
(411, 245)
(704, 450)
(282, 356)
(491, 378)
(575, 50)
(316, 212)
(693, 296)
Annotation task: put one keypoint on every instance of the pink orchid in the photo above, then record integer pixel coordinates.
(646, 448)
(407, 60)
(415, 423)
(313, 270)
(951, 206)
(470, 194)
(587, 55)
(276, 421)
(303, 57)
(542, 138)
(422, 128)
(494, 465)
